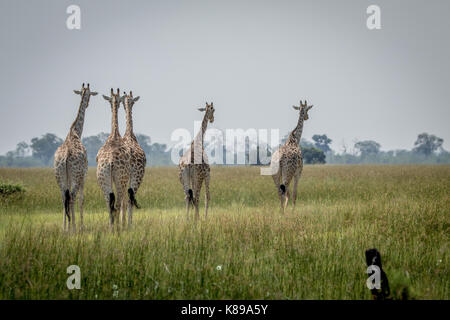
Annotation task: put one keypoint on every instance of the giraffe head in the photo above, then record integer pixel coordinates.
(114, 100)
(209, 111)
(85, 93)
(303, 108)
(128, 101)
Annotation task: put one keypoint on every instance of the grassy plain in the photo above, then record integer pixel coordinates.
(246, 249)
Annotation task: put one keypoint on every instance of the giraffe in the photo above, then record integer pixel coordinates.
(138, 159)
(194, 167)
(71, 164)
(113, 165)
(287, 161)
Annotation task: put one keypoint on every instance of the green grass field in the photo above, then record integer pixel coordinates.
(246, 249)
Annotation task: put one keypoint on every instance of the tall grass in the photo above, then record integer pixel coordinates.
(246, 249)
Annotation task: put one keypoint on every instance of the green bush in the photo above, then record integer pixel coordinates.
(313, 155)
(7, 189)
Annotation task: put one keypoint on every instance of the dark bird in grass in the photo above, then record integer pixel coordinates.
(373, 257)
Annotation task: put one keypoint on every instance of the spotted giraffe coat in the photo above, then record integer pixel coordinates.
(138, 158)
(113, 166)
(71, 164)
(194, 168)
(287, 161)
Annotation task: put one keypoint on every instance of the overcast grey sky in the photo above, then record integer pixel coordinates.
(254, 59)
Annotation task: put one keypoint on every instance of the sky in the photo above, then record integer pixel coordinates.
(253, 59)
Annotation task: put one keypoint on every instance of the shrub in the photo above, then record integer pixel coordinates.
(7, 189)
(313, 155)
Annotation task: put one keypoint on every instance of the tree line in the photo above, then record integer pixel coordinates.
(40, 151)
(427, 149)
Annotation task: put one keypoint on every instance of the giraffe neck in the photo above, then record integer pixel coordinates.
(129, 113)
(77, 125)
(296, 134)
(201, 133)
(114, 122)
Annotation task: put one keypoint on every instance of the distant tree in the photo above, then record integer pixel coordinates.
(44, 148)
(22, 150)
(427, 144)
(313, 155)
(158, 148)
(20, 158)
(306, 144)
(367, 148)
(41, 151)
(145, 143)
(156, 153)
(159, 155)
(322, 142)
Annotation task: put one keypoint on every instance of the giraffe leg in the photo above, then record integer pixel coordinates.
(80, 205)
(294, 191)
(185, 180)
(134, 185)
(104, 178)
(64, 210)
(286, 178)
(196, 203)
(206, 194)
(72, 224)
(276, 179)
(73, 197)
(121, 187)
(197, 190)
(125, 223)
(123, 213)
(130, 213)
(287, 196)
(76, 186)
(118, 210)
(110, 199)
(123, 205)
(62, 180)
(284, 187)
(112, 211)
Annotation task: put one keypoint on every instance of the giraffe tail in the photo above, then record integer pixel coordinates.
(283, 189)
(133, 201)
(67, 203)
(112, 202)
(191, 196)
